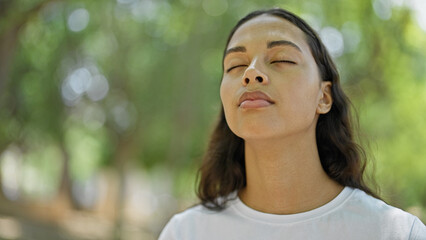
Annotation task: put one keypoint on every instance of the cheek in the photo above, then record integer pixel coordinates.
(223, 93)
(226, 93)
(300, 96)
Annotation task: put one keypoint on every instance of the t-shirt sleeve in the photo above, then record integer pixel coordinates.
(169, 231)
(418, 230)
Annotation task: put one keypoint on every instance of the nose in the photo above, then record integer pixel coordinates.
(253, 74)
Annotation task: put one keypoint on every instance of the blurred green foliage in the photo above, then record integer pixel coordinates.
(102, 84)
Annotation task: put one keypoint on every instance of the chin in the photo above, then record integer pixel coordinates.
(255, 131)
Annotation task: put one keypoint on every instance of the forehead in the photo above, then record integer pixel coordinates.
(265, 28)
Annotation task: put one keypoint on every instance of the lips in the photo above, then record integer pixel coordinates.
(255, 99)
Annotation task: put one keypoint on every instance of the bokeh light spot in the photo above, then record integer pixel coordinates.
(11, 163)
(69, 96)
(98, 88)
(78, 20)
(125, 1)
(351, 35)
(144, 10)
(86, 192)
(333, 40)
(80, 80)
(419, 8)
(383, 9)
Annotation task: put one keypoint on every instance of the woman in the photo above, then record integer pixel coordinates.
(282, 163)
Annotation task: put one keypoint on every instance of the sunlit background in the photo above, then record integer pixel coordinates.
(106, 106)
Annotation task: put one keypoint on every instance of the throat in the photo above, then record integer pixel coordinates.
(290, 202)
(286, 179)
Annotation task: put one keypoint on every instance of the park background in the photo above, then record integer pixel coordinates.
(106, 106)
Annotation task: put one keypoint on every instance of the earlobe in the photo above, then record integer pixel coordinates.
(326, 100)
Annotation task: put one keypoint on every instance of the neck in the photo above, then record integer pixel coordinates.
(285, 176)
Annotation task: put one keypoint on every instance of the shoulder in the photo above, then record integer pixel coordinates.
(193, 214)
(365, 204)
(195, 218)
(383, 217)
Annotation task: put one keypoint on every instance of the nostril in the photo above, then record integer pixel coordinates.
(259, 79)
(246, 80)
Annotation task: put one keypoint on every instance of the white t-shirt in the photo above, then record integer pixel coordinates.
(351, 215)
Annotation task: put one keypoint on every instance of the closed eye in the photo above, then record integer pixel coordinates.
(229, 69)
(283, 61)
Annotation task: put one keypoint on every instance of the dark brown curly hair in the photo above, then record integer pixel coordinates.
(223, 169)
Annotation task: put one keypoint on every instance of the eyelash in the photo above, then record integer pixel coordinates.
(283, 61)
(278, 61)
(229, 69)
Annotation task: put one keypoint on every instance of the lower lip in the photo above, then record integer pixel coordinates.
(259, 103)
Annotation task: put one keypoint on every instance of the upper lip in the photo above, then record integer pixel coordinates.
(256, 95)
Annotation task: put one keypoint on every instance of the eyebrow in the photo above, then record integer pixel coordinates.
(270, 44)
(283, 43)
(235, 49)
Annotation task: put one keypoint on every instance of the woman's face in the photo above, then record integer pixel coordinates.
(271, 85)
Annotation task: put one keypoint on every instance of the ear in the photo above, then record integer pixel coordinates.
(326, 99)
